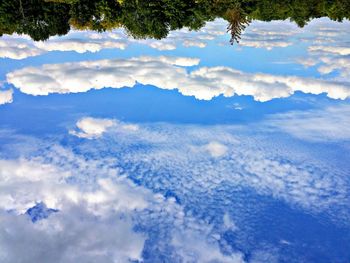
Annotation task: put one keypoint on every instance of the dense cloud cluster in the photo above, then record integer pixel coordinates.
(169, 73)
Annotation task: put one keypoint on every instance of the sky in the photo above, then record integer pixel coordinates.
(186, 149)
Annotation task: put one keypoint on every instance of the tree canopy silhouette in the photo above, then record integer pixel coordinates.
(41, 19)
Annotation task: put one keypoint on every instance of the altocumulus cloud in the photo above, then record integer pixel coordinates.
(98, 210)
(169, 73)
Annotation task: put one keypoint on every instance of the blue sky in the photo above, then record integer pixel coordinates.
(186, 149)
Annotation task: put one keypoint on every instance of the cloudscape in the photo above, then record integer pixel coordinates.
(174, 131)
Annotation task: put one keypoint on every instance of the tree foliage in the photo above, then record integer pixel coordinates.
(41, 19)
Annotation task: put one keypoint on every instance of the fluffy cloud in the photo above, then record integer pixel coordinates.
(15, 47)
(91, 128)
(73, 235)
(20, 47)
(103, 234)
(79, 45)
(167, 73)
(6, 96)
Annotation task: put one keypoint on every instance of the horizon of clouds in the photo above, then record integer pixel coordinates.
(20, 47)
(170, 73)
(259, 34)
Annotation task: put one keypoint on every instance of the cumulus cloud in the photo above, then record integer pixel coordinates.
(15, 47)
(167, 73)
(72, 235)
(103, 234)
(79, 45)
(92, 128)
(6, 96)
(21, 47)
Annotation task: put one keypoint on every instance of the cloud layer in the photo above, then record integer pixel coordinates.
(167, 73)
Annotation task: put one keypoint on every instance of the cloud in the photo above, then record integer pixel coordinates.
(6, 96)
(89, 225)
(169, 73)
(80, 45)
(269, 35)
(331, 49)
(15, 47)
(216, 149)
(241, 161)
(21, 47)
(332, 123)
(193, 249)
(71, 235)
(98, 212)
(91, 127)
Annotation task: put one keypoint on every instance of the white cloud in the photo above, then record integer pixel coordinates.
(6, 96)
(216, 149)
(331, 49)
(89, 226)
(92, 128)
(98, 210)
(21, 47)
(253, 162)
(71, 235)
(194, 249)
(15, 47)
(26, 182)
(269, 35)
(165, 72)
(79, 45)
